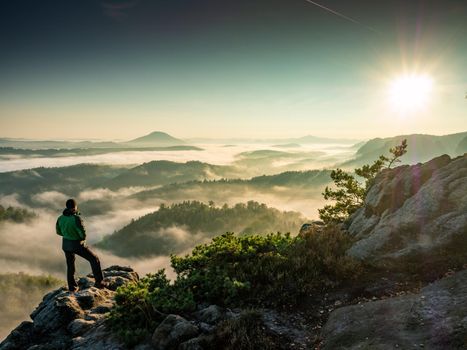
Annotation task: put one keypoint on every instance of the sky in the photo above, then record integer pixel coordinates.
(117, 70)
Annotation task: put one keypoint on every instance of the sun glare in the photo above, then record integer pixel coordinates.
(410, 93)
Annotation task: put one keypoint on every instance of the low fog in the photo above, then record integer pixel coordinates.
(213, 154)
(34, 248)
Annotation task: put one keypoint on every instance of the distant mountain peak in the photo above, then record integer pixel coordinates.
(157, 137)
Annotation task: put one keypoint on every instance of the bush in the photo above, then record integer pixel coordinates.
(235, 270)
(142, 305)
(255, 270)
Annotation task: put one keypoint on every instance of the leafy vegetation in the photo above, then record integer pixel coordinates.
(174, 228)
(349, 194)
(251, 270)
(15, 214)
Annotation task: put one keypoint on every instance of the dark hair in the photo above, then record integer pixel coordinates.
(71, 203)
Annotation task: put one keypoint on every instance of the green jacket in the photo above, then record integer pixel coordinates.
(70, 226)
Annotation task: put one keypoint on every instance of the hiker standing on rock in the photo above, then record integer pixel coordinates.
(70, 226)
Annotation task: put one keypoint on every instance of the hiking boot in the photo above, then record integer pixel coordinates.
(101, 285)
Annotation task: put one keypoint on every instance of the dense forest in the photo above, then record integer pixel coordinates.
(175, 228)
(70, 179)
(15, 214)
(304, 184)
(163, 172)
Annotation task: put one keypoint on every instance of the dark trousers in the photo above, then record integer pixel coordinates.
(84, 252)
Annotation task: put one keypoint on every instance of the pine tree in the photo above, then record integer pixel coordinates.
(349, 194)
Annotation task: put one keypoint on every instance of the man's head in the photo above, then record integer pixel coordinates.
(71, 204)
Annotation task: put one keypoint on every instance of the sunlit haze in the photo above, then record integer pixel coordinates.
(410, 93)
(285, 174)
(208, 68)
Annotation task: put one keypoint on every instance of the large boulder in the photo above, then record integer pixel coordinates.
(435, 318)
(65, 320)
(410, 210)
(211, 314)
(173, 331)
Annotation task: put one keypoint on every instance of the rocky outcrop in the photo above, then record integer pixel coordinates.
(173, 331)
(410, 210)
(435, 318)
(414, 214)
(65, 320)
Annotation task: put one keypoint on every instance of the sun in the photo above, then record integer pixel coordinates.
(410, 93)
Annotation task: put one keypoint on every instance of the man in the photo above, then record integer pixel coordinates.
(70, 226)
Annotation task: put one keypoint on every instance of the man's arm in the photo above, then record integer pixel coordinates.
(57, 229)
(80, 225)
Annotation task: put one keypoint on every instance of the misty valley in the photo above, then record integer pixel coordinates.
(148, 198)
(233, 175)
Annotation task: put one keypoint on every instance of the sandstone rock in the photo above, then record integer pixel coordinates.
(192, 344)
(56, 312)
(84, 283)
(173, 331)
(206, 327)
(315, 225)
(290, 328)
(19, 338)
(65, 320)
(212, 314)
(435, 318)
(79, 326)
(143, 347)
(117, 276)
(103, 308)
(97, 337)
(413, 209)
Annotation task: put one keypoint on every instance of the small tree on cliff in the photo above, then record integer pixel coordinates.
(349, 194)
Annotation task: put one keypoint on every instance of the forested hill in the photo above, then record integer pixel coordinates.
(297, 184)
(162, 172)
(15, 214)
(175, 228)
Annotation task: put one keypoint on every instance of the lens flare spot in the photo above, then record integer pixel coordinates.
(410, 93)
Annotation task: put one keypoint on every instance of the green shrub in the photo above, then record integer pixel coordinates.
(140, 306)
(254, 270)
(235, 270)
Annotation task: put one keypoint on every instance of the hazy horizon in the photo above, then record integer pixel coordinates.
(265, 98)
(195, 138)
(253, 69)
